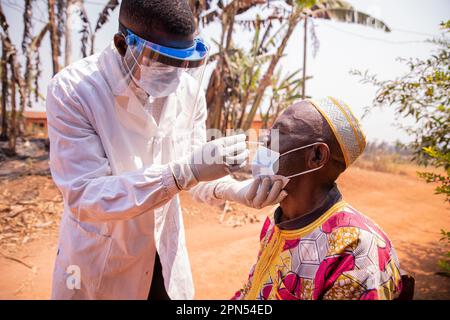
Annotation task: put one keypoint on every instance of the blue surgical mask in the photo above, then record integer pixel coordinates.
(266, 161)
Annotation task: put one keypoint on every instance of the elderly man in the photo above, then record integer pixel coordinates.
(316, 245)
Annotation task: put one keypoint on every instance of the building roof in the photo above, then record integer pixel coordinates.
(257, 118)
(38, 115)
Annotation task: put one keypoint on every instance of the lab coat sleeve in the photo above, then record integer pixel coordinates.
(82, 172)
(204, 191)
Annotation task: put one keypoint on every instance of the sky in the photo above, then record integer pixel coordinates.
(342, 47)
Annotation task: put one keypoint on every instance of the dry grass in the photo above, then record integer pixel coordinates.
(389, 163)
(393, 163)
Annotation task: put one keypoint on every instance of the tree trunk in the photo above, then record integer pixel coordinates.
(197, 7)
(217, 86)
(305, 46)
(53, 36)
(4, 66)
(12, 127)
(256, 51)
(265, 82)
(68, 35)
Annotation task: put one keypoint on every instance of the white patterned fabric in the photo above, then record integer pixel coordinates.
(345, 127)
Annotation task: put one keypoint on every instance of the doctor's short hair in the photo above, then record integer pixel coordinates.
(175, 16)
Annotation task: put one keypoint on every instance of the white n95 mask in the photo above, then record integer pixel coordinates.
(158, 80)
(266, 161)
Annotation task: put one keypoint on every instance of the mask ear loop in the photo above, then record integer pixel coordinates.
(124, 83)
(300, 148)
(305, 172)
(132, 40)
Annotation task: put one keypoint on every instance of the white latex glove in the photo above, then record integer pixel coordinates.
(213, 160)
(256, 193)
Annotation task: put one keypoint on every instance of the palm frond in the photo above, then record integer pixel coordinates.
(350, 16)
(328, 4)
(213, 9)
(104, 15)
(85, 27)
(102, 19)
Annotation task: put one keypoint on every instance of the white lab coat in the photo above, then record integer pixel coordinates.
(109, 158)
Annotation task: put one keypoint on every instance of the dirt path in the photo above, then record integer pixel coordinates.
(221, 255)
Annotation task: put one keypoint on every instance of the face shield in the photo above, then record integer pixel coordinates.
(160, 70)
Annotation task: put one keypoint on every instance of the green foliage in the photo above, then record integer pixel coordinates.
(286, 90)
(244, 80)
(444, 263)
(305, 3)
(244, 74)
(423, 96)
(445, 25)
(440, 159)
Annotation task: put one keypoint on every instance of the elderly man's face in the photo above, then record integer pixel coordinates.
(299, 125)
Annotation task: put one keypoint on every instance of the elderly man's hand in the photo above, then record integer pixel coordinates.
(256, 193)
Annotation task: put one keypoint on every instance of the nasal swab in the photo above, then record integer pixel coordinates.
(255, 142)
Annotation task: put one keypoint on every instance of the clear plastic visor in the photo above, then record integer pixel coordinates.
(159, 70)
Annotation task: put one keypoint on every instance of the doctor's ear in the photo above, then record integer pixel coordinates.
(120, 43)
(318, 156)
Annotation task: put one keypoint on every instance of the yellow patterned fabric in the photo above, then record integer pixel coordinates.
(344, 255)
(345, 127)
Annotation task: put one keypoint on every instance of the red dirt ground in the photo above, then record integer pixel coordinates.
(221, 255)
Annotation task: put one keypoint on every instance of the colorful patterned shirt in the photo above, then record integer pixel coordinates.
(340, 255)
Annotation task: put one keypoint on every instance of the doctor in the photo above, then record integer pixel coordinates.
(127, 134)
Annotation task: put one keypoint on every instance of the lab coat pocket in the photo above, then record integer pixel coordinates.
(128, 261)
(83, 251)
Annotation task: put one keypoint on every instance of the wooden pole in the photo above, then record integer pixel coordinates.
(53, 36)
(305, 46)
(12, 128)
(68, 35)
(4, 81)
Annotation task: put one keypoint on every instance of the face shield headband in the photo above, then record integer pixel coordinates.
(147, 52)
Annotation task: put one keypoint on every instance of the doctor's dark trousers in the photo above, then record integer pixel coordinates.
(157, 289)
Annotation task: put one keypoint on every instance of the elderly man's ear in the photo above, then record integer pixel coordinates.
(318, 156)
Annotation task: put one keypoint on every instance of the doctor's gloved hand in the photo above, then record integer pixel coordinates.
(213, 160)
(256, 193)
(220, 157)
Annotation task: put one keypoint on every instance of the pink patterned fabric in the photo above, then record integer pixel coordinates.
(347, 257)
(329, 270)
